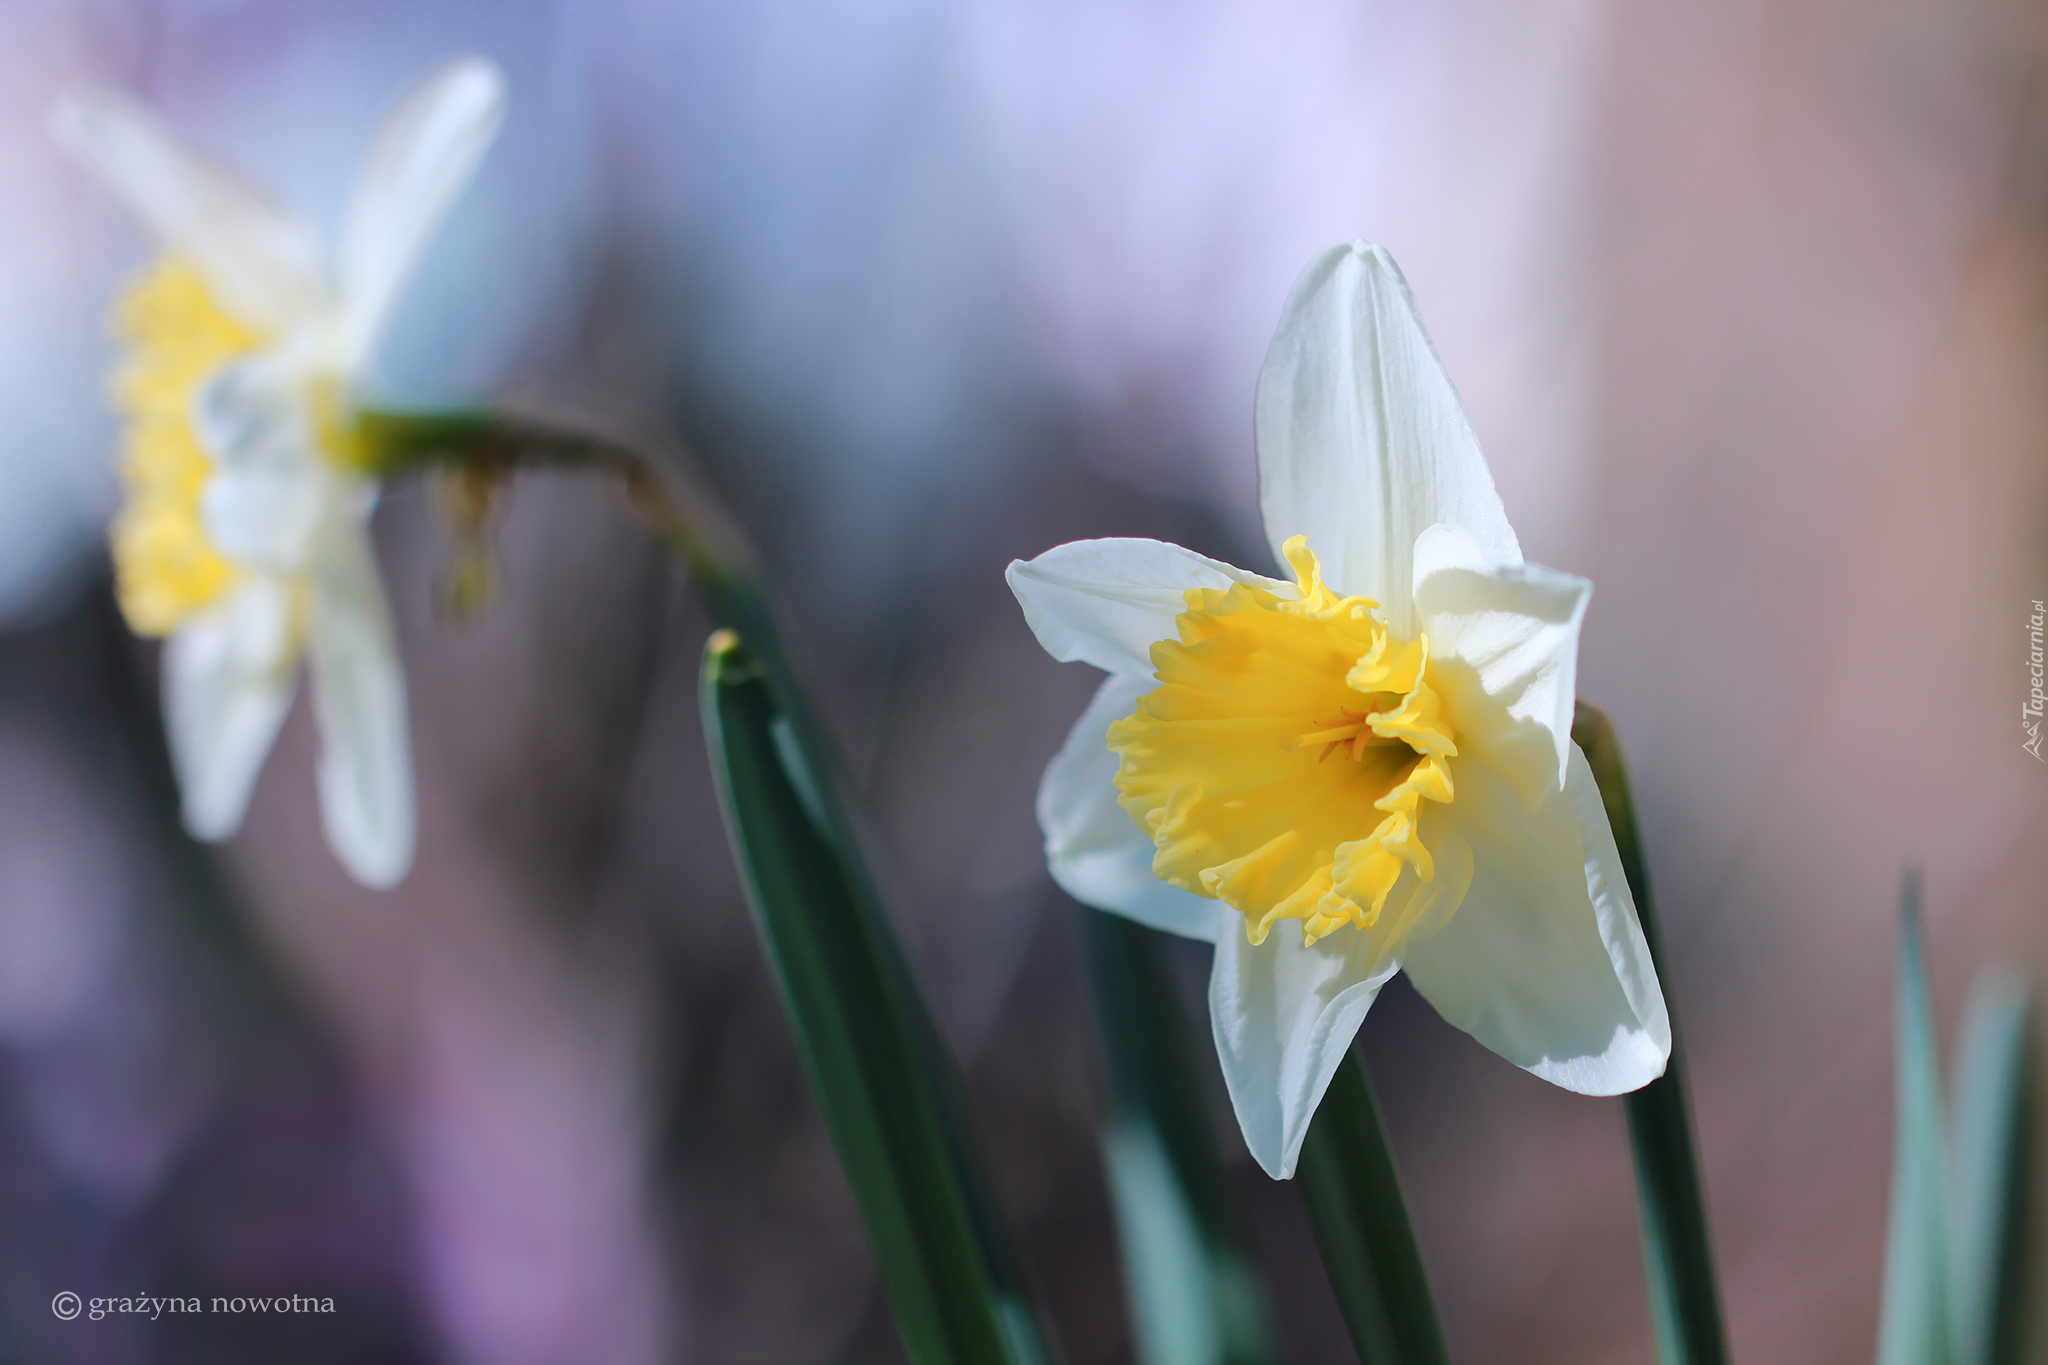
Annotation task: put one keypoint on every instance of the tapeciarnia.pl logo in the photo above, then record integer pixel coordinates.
(2030, 712)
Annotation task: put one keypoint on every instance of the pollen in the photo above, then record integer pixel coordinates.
(1286, 761)
(166, 568)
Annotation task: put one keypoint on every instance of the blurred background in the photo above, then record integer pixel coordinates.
(1749, 303)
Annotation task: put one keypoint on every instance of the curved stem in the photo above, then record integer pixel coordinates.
(888, 1087)
(682, 515)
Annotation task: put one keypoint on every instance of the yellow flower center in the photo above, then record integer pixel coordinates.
(1282, 764)
(179, 341)
(166, 567)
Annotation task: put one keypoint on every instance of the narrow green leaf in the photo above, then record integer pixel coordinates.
(889, 1091)
(1195, 1296)
(1353, 1192)
(1685, 1299)
(1990, 1193)
(1914, 1327)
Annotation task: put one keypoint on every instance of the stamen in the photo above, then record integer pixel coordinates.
(1338, 735)
(1354, 730)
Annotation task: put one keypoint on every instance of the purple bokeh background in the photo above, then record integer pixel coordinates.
(1747, 302)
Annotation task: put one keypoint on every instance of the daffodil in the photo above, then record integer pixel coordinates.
(1366, 769)
(243, 541)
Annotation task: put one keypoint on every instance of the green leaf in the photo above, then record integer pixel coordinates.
(1914, 1327)
(1353, 1193)
(1194, 1294)
(1685, 1299)
(889, 1091)
(1990, 1193)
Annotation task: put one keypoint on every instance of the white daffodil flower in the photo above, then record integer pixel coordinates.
(244, 539)
(1365, 770)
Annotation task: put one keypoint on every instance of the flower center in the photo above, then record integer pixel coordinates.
(203, 391)
(1284, 762)
(167, 567)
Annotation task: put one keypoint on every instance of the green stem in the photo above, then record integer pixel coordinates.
(1195, 1297)
(890, 1092)
(1685, 1300)
(1353, 1192)
(685, 518)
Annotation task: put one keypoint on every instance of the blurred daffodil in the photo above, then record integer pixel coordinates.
(1364, 770)
(244, 541)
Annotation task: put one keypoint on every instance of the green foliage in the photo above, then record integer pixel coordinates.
(1194, 1294)
(1990, 1189)
(1685, 1299)
(1353, 1193)
(1955, 1256)
(889, 1091)
(1914, 1326)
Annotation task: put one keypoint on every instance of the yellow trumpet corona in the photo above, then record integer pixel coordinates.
(1227, 765)
(167, 567)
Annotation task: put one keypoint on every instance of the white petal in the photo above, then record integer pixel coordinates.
(272, 490)
(1107, 602)
(1362, 440)
(228, 681)
(423, 156)
(1504, 640)
(366, 792)
(1096, 851)
(1285, 1012)
(262, 265)
(1545, 962)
